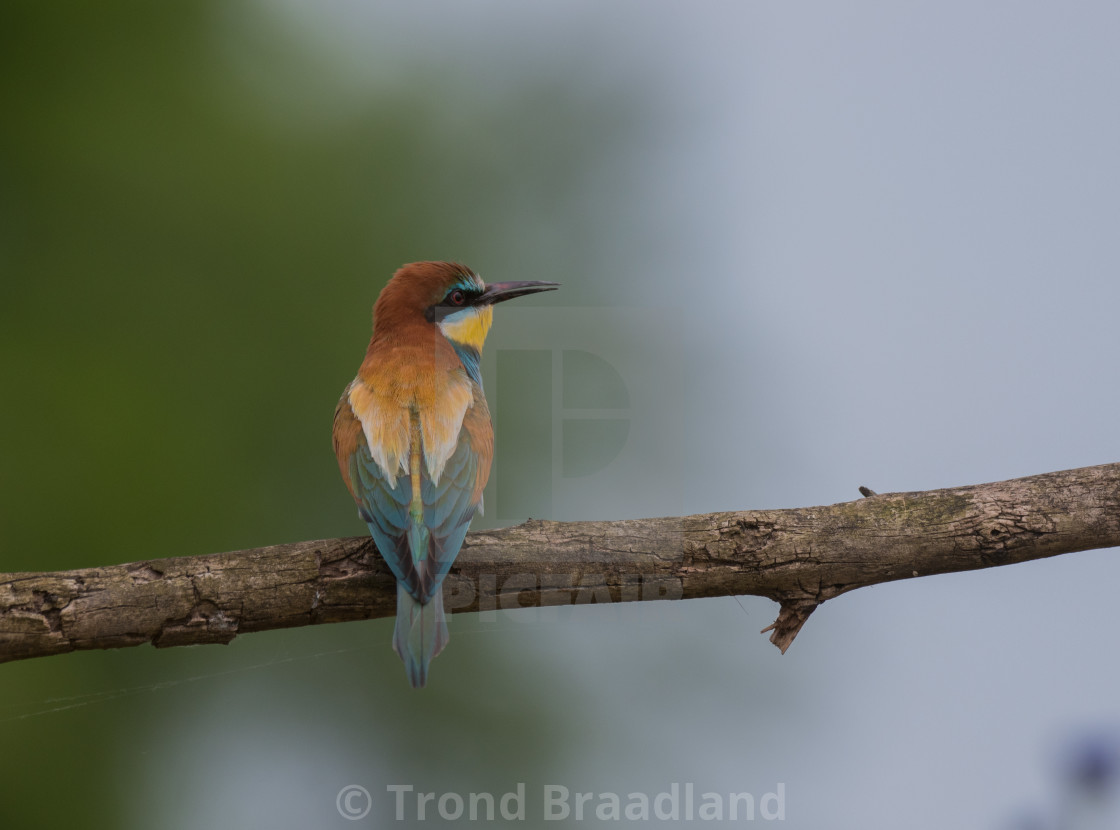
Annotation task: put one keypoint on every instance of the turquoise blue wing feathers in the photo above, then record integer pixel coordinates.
(448, 509)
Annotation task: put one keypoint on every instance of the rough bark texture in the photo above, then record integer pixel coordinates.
(799, 557)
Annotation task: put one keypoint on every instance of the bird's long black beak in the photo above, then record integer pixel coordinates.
(499, 292)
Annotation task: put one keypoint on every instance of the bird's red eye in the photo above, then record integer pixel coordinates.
(457, 297)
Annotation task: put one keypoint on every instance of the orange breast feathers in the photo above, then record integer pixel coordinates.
(427, 379)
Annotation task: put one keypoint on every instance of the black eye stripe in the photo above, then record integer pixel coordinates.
(459, 298)
(455, 300)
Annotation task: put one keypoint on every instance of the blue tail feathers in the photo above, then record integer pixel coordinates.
(421, 632)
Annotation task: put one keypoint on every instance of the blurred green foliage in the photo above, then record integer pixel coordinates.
(197, 211)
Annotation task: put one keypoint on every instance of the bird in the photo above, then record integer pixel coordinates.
(414, 439)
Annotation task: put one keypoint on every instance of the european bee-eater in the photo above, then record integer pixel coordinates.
(413, 436)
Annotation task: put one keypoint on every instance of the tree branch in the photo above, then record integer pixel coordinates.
(799, 558)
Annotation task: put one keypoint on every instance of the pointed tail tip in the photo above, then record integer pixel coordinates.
(420, 633)
(415, 669)
(415, 666)
(417, 673)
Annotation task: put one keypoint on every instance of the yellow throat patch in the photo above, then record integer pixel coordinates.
(469, 327)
